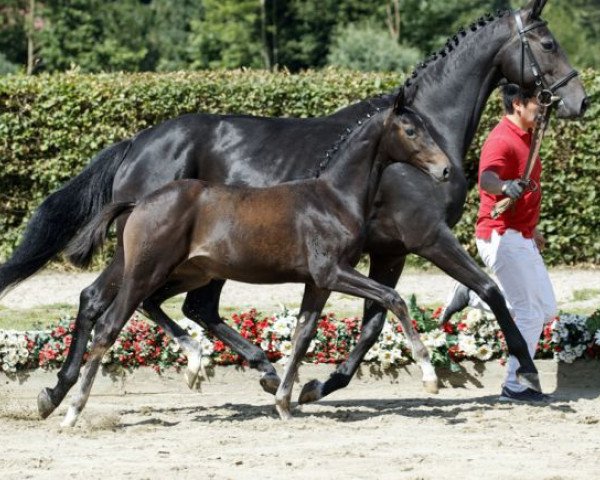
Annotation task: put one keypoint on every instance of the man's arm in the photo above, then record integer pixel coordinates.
(492, 183)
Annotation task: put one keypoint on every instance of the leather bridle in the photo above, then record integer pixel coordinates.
(546, 94)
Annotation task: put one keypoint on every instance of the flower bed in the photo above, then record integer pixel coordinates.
(473, 336)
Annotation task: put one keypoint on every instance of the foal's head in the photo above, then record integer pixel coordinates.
(407, 139)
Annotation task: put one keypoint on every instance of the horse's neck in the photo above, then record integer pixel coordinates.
(452, 92)
(350, 173)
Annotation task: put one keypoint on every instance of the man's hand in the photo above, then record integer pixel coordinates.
(539, 239)
(513, 188)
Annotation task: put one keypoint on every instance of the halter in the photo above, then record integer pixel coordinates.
(545, 94)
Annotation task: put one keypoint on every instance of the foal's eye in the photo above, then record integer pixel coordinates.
(410, 132)
(548, 45)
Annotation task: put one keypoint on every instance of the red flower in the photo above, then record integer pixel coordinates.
(437, 312)
(448, 327)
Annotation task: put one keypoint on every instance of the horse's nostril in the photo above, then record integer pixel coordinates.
(585, 104)
(446, 173)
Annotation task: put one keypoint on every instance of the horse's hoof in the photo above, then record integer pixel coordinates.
(45, 404)
(270, 383)
(283, 409)
(70, 418)
(311, 392)
(431, 386)
(530, 380)
(195, 370)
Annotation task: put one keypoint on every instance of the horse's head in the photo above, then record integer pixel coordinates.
(407, 139)
(534, 60)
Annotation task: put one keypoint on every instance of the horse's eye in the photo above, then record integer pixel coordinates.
(410, 132)
(548, 45)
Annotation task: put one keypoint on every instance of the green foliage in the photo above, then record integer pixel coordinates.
(369, 49)
(228, 36)
(50, 126)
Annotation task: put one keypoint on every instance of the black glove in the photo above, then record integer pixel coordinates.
(513, 188)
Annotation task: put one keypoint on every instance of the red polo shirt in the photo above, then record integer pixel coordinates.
(505, 152)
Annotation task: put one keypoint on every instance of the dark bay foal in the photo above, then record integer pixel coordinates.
(312, 231)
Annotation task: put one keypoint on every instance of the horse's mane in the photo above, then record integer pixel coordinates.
(452, 42)
(335, 149)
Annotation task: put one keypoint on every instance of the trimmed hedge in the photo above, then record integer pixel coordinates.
(50, 126)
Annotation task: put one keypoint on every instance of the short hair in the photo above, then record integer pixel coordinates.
(512, 92)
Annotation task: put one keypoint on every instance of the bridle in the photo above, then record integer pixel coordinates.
(546, 94)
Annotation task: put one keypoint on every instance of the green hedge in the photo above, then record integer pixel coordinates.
(50, 126)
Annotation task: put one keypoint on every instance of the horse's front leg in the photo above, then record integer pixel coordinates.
(449, 255)
(385, 270)
(312, 304)
(348, 280)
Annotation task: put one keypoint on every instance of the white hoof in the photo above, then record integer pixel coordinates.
(195, 369)
(70, 418)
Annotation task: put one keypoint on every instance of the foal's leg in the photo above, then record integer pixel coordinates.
(202, 306)
(352, 282)
(93, 302)
(449, 255)
(312, 305)
(106, 331)
(386, 271)
(191, 348)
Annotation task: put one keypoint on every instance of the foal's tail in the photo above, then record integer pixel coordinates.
(56, 221)
(93, 235)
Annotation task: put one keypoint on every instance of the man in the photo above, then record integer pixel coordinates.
(510, 244)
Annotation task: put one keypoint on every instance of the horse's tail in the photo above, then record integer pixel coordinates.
(62, 214)
(92, 236)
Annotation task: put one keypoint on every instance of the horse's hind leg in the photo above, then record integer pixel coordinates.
(202, 306)
(312, 305)
(93, 302)
(386, 271)
(352, 282)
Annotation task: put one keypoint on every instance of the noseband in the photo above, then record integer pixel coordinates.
(545, 94)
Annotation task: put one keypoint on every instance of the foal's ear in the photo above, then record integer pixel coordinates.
(400, 101)
(535, 8)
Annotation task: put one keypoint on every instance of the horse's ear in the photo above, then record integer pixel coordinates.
(400, 101)
(535, 8)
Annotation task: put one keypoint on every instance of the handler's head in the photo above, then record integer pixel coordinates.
(512, 93)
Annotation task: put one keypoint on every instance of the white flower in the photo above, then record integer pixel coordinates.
(386, 358)
(207, 346)
(388, 337)
(281, 327)
(597, 337)
(286, 348)
(312, 346)
(398, 356)
(373, 352)
(474, 316)
(484, 352)
(467, 344)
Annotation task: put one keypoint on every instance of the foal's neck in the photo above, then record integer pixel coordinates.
(354, 172)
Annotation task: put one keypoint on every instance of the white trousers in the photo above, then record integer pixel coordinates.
(525, 283)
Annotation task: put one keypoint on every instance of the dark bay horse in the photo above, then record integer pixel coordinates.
(450, 91)
(189, 232)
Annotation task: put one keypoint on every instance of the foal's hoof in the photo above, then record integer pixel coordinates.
(270, 383)
(283, 409)
(195, 370)
(44, 402)
(530, 380)
(431, 386)
(311, 392)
